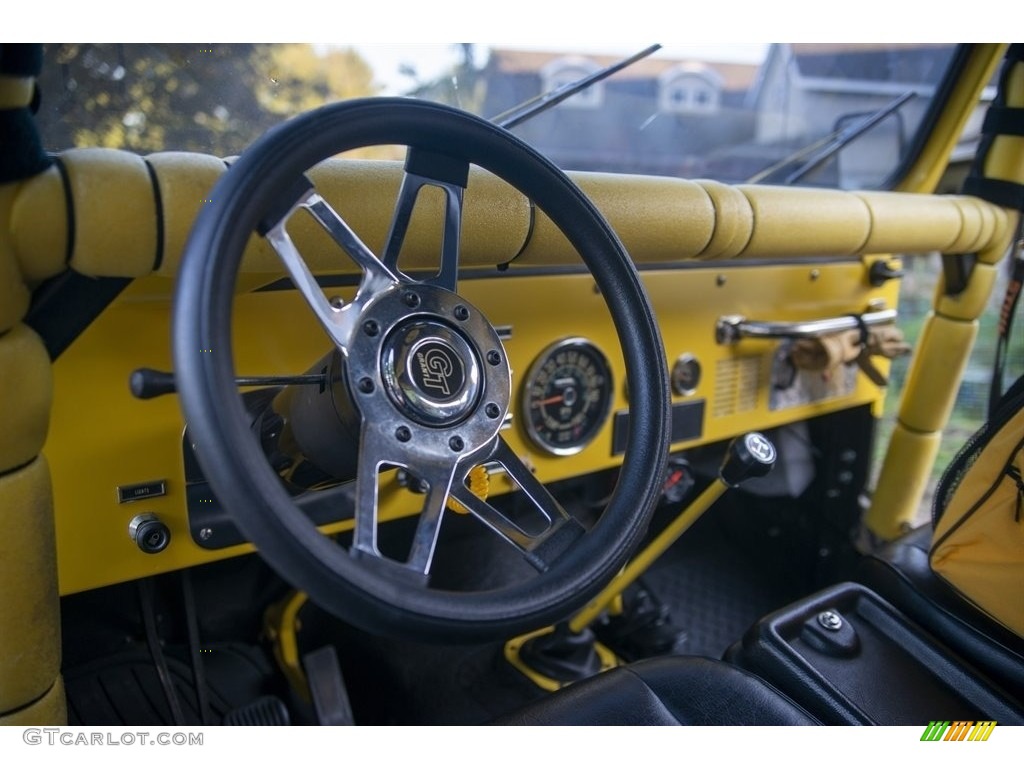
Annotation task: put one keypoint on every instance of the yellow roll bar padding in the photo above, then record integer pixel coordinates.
(29, 610)
(971, 302)
(39, 226)
(794, 221)
(15, 91)
(663, 218)
(26, 391)
(902, 480)
(47, 710)
(734, 221)
(913, 223)
(660, 220)
(939, 360)
(115, 213)
(1006, 157)
(931, 386)
(184, 180)
(646, 557)
(14, 295)
(31, 689)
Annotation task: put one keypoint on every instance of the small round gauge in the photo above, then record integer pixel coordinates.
(566, 396)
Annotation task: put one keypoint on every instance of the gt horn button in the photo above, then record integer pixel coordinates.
(430, 372)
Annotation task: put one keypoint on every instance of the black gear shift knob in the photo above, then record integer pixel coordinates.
(749, 455)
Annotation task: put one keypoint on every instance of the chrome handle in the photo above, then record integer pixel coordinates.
(731, 328)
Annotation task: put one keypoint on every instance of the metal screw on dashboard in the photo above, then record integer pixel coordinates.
(403, 434)
(336, 302)
(830, 620)
(456, 443)
(492, 410)
(493, 357)
(411, 299)
(366, 385)
(371, 328)
(460, 312)
(205, 534)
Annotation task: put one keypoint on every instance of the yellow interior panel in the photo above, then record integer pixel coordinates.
(142, 439)
(831, 234)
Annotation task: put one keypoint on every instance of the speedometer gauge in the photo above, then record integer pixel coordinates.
(566, 396)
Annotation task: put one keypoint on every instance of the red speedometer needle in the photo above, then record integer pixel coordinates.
(549, 401)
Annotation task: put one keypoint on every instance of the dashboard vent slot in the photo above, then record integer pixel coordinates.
(737, 382)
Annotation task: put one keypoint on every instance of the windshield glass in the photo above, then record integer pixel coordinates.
(835, 114)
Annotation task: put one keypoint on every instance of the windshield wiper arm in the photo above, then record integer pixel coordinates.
(532, 107)
(821, 150)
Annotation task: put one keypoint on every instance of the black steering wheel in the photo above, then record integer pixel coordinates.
(426, 373)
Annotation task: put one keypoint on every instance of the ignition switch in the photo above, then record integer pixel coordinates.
(149, 533)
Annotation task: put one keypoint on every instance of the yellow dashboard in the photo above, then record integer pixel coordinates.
(709, 255)
(103, 439)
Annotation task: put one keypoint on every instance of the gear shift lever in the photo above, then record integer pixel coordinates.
(553, 657)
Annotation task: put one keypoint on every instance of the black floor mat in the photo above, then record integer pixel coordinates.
(714, 589)
(124, 688)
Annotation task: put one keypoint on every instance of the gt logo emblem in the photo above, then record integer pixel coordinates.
(760, 447)
(436, 369)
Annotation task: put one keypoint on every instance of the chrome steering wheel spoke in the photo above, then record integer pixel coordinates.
(429, 169)
(538, 544)
(339, 322)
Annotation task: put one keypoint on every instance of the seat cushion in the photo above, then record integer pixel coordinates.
(900, 573)
(673, 690)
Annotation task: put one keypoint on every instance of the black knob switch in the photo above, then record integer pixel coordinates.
(882, 271)
(149, 533)
(750, 455)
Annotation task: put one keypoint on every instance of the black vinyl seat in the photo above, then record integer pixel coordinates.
(900, 572)
(672, 690)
